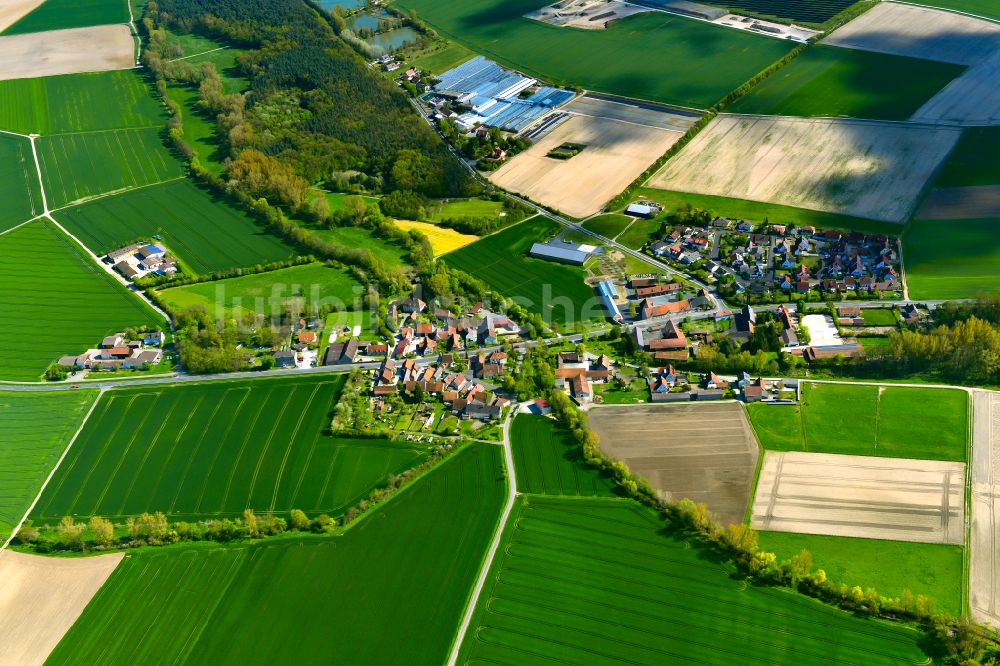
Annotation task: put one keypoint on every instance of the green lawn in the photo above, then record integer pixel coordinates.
(987, 8)
(931, 569)
(83, 165)
(215, 448)
(204, 232)
(199, 128)
(549, 462)
(555, 291)
(78, 103)
(395, 584)
(307, 288)
(952, 258)
(55, 300)
(973, 161)
(36, 429)
(60, 14)
(653, 55)
(391, 253)
(465, 208)
(834, 81)
(894, 422)
(609, 225)
(637, 234)
(878, 317)
(597, 581)
(19, 191)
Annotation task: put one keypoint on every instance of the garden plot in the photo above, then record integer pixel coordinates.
(971, 99)
(95, 49)
(867, 169)
(40, 599)
(11, 11)
(984, 544)
(705, 452)
(861, 496)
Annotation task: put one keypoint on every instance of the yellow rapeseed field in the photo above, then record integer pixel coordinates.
(442, 239)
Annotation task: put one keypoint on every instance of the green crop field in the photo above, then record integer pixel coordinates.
(78, 103)
(931, 569)
(653, 55)
(609, 225)
(894, 422)
(204, 232)
(596, 581)
(82, 165)
(55, 300)
(549, 462)
(973, 160)
(396, 582)
(36, 429)
(987, 8)
(214, 449)
(878, 317)
(19, 192)
(60, 14)
(555, 291)
(952, 258)
(308, 287)
(833, 81)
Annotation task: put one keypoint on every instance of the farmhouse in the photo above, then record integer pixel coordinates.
(118, 352)
(135, 261)
(647, 310)
(341, 353)
(567, 253)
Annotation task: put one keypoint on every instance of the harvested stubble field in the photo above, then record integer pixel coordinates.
(214, 449)
(41, 598)
(262, 604)
(861, 496)
(19, 192)
(205, 232)
(96, 49)
(12, 11)
(964, 267)
(60, 14)
(984, 539)
(442, 239)
(862, 168)
(548, 461)
(37, 427)
(895, 422)
(55, 300)
(593, 581)
(704, 452)
(971, 99)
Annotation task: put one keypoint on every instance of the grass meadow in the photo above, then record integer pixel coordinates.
(214, 449)
(438, 60)
(654, 56)
(878, 317)
(19, 192)
(78, 103)
(82, 165)
(307, 288)
(549, 462)
(973, 161)
(442, 239)
(987, 8)
(593, 581)
(834, 81)
(465, 208)
(952, 258)
(36, 429)
(609, 225)
(204, 232)
(931, 569)
(894, 422)
(555, 291)
(199, 128)
(55, 300)
(391, 253)
(411, 565)
(196, 49)
(61, 14)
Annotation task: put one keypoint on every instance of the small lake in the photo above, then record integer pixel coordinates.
(328, 5)
(394, 39)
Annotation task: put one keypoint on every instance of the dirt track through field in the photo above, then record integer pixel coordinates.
(11, 11)
(861, 496)
(41, 598)
(706, 452)
(961, 203)
(94, 49)
(984, 542)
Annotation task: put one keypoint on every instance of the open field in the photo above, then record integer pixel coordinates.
(865, 169)
(19, 192)
(263, 604)
(390, 252)
(555, 291)
(442, 59)
(931, 569)
(703, 452)
(591, 581)
(966, 265)
(894, 422)
(442, 239)
(12, 10)
(616, 153)
(984, 538)
(82, 165)
(987, 8)
(549, 462)
(828, 81)
(973, 161)
(456, 208)
(971, 99)
(207, 234)
(919, 32)
(655, 56)
(878, 317)
(59, 14)
(961, 203)
(214, 449)
(609, 225)
(78, 103)
(861, 496)
(41, 598)
(305, 288)
(199, 128)
(37, 427)
(56, 301)
(96, 49)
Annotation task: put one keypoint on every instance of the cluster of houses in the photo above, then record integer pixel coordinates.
(136, 261)
(575, 373)
(116, 352)
(668, 385)
(425, 332)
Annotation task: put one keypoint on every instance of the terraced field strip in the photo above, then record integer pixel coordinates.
(591, 581)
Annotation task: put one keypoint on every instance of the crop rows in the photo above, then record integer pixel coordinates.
(22, 200)
(813, 11)
(549, 462)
